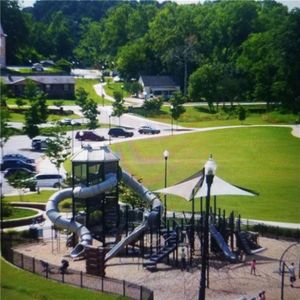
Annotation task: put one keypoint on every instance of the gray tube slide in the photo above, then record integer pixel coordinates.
(150, 218)
(80, 192)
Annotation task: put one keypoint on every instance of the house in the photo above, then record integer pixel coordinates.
(158, 86)
(56, 87)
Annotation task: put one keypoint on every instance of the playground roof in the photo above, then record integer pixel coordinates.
(89, 154)
(196, 187)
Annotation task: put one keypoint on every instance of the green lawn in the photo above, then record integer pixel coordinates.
(32, 197)
(20, 117)
(88, 85)
(22, 285)
(260, 159)
(112, 87)
(18, 213)
(199, 117)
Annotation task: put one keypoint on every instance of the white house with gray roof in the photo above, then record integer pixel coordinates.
(158, 86)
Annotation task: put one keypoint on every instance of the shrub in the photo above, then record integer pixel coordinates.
(6, 210)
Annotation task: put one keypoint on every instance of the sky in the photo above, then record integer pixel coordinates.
(289, 3)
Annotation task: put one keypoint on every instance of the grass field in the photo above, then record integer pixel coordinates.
(199, 117)
(88, 85)
(20, 117)
(18, 213)
(32, 197)
(21, 285)
(112, 87)
(261, 159)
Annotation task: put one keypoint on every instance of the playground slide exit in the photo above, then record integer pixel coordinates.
(151, 218)
(229, 255)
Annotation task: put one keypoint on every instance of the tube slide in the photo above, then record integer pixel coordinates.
(229, 255)
(151, 218)
(80, 192)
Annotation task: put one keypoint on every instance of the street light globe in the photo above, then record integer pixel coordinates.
(166, 154)
(80, 133)
(210, 167)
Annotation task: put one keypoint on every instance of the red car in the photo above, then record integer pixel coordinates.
(89, 135)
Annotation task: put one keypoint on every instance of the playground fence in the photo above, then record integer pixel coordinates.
(79, 278)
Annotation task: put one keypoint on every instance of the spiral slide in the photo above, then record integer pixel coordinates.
(80, 192)
(151, 218)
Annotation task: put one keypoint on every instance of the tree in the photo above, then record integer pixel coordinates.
(12, 20)
(118, 105)
(19, 181)
(152, 106)
(177, 109)
(204, 84)
(31, 121)
(90, 112)
(58, 149)
(20, 102)
(130, 197)
(241, 113)
(30, 89)
(81, 96)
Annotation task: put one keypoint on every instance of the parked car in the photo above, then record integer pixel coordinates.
(11, 171)
(16, 163)
(18, 156)
(40, 143)
(48, 180)
(65, 122)
(116, 132)
(148, 130)
(37, 67)
(88, 135)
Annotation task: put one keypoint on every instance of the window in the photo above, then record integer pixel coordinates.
(48, 87)
(66, 87)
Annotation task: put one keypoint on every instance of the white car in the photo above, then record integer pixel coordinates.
(49, 180)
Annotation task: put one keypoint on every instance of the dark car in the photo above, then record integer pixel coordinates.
(116, 132)
(16, 163)
(40, 143)
(88, 135)
(11, 171)
(19, 156)
(148, 130)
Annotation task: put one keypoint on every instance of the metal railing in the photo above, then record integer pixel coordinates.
(78, 278)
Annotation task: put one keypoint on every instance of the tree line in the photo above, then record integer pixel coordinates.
(217, 51)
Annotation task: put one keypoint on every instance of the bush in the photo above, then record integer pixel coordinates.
(152, 105)
(6, 210)
(274, 232)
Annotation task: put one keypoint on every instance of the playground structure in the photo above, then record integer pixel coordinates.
(97, 214)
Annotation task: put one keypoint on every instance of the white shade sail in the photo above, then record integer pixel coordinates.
(218, 187)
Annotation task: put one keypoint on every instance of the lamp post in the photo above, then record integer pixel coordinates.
(166, 156)
(109, 125)
(122, 88)
(72, 126)
(210, 171)
(171, 108)
(81, 135)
